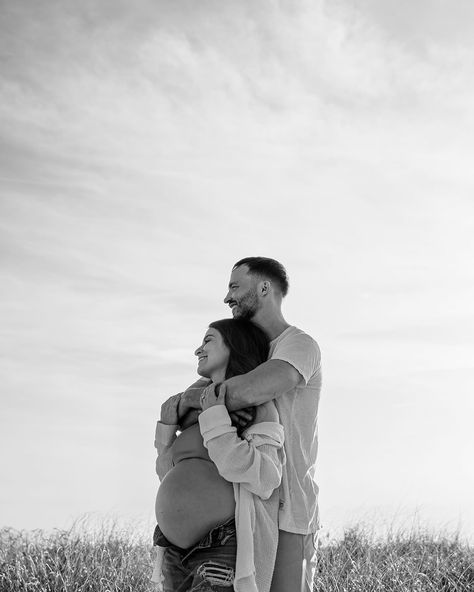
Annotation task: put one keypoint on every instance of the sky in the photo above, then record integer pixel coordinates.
(144, 149)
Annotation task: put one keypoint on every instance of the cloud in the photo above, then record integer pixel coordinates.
(146, 148)
(171, 85)
(421, 24)
(450, 333)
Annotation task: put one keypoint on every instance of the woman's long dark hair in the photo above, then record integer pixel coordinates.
(248, 348)
(248, 345)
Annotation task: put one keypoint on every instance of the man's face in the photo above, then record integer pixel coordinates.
(242, 295)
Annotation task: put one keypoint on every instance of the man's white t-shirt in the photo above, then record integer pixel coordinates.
(298, 410)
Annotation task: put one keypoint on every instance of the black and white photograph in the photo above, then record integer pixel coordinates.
(236, 296)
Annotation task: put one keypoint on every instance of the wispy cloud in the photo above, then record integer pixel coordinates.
(146, 148)
(150, 94)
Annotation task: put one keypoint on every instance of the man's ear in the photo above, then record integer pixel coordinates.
(265, 287)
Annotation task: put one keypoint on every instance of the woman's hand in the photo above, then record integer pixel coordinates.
(169, 410)
(209, 399)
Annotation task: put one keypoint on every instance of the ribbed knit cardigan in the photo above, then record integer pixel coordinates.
(254, 466)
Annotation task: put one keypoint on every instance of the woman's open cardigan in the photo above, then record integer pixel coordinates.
(253, 464)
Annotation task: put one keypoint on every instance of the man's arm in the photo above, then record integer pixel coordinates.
(266, 382)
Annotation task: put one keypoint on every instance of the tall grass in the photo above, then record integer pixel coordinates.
(416, 561)
(108, 560)
(117, 561)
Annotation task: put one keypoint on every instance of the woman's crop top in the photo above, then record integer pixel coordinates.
(189, 444)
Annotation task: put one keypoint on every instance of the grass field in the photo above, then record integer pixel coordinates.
(116, 561)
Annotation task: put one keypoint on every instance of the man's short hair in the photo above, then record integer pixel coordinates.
(267, 268)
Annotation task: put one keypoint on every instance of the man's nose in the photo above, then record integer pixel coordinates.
(198, 351)
(227, 298)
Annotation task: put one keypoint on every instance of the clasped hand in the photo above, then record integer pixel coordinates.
(169, 410)
(175, 408)
(209, 397)
(241, 418)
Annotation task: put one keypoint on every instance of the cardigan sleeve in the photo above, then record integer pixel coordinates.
(165, 435)
(255, 462)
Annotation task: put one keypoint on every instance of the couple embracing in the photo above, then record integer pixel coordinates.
(237, 506)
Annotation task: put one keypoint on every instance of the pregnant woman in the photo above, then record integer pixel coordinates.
(217, 505)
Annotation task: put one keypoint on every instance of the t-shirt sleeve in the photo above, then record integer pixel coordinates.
(302, 352)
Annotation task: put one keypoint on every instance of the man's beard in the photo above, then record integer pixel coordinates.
(248, 306)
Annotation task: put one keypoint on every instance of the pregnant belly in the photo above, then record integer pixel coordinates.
(192, 499)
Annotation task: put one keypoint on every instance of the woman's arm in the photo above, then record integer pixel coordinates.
(165, 434)
(256, 461)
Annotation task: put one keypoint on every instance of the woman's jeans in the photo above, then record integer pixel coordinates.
(208, 566)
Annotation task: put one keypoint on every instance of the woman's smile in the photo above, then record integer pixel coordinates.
(213, 355)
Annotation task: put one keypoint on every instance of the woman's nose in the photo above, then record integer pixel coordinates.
(198, 351)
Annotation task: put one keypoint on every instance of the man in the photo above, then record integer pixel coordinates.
(292, 377)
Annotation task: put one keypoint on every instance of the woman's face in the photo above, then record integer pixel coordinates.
(213, 356)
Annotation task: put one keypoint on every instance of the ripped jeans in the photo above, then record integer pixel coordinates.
(208, 566)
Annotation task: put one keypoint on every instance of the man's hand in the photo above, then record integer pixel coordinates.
(241, 418)
(169, 410)
(190, 399)
(209, 398)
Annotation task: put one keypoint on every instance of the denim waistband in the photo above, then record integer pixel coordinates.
(214, 537)
(218, 535)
